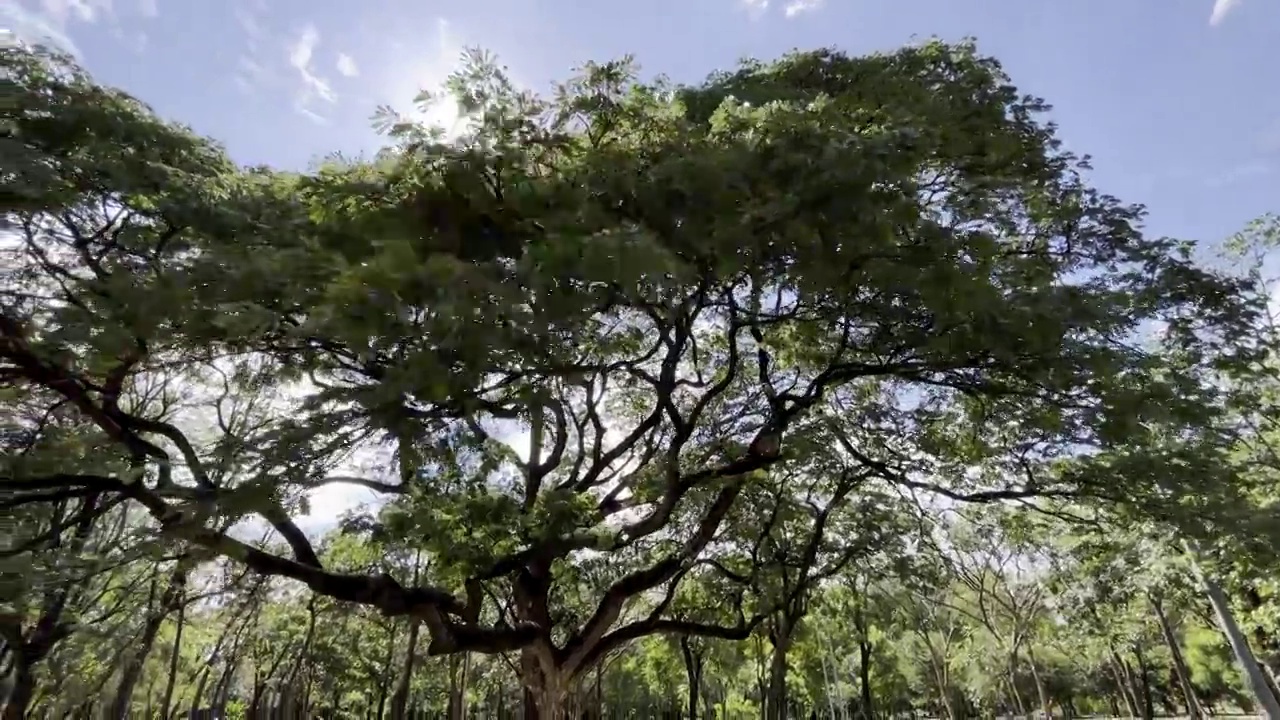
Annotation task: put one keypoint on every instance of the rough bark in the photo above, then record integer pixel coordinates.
(546, 686)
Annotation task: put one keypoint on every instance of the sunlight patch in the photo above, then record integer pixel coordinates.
(1222, 8)
(428, 72)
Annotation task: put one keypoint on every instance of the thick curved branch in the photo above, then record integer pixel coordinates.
(632, 584)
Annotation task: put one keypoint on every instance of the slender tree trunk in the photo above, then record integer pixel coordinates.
(174, 656)
(400, 699)
(304, 653)
(388, 672)
(221, 690)
(762, 682)
(1019, 704)
(828, 679)
(1183, 674)
(693, 671)
(260, 688)
(49, 628)
(938, 662)
(1266, 646)
(1144, 677)
(1254, 677)
(1042, 693)
(459, 667)
(1124, 683)
(868, 711)
(132, 671)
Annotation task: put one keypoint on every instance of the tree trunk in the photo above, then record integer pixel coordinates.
(776, 707)
(132, 671)
(459, 667)
(1124, 683)
(400, 699)
(49, 628)
(938, 662)
(545, 697)
(308, 637)
(693, 671)
(867, 712)
(1265, 645)
(1144, 678)
(1019, 704)
(1194, 709)
(174, 656)
(1042, 693)
(23, 687)
(1254, 677)
(762, 686)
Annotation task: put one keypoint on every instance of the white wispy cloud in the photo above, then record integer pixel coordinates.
(86, 11)
(758, 8)
(347, 65)
(1222, 8)
(148, 8)
(252, 66)
(49, 21)
(312, 87)
(797, 7)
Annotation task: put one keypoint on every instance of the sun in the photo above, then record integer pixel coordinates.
(426, 71)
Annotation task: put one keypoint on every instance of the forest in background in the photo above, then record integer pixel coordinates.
(826, 387)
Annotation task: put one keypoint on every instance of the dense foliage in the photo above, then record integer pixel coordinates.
(828, 385)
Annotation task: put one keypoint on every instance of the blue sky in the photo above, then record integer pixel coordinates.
(1171, 97)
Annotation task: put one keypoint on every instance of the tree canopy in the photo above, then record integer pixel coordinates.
(631, 359)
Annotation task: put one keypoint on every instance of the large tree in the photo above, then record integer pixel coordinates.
(668, 290)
